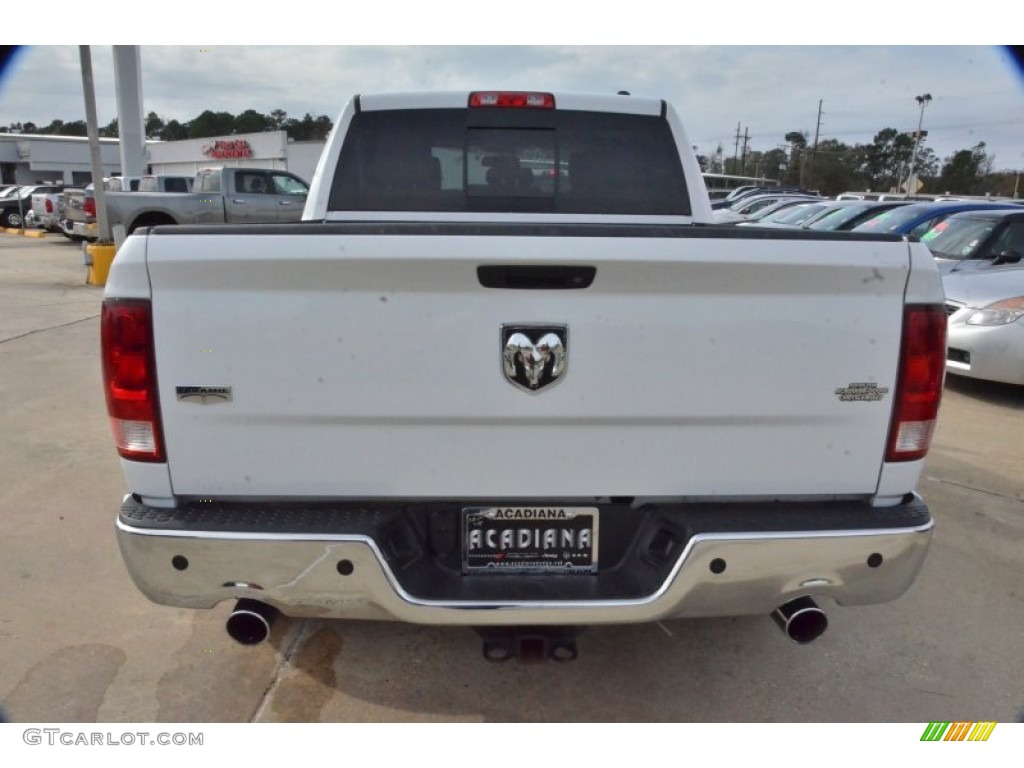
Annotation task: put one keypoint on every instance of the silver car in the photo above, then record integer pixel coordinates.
(986, 324)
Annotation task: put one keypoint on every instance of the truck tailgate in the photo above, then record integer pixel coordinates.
(369, 364)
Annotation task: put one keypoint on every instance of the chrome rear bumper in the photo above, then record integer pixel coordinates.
(347, 575)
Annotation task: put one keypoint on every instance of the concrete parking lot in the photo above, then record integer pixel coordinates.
(80, 644)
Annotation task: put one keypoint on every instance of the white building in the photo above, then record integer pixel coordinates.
(270, 149)
(27, 158)
(31, 158)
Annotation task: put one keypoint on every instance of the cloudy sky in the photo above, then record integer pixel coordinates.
(977, 91)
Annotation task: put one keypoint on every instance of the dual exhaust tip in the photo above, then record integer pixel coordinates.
(801, 620)
(250, 622)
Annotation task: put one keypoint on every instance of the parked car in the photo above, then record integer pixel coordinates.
(15, 206)
(985, 338)
(791, 215)
(780, 205)
(917, 218)
(844, 215)
(977, 240)
(748, 206)
(45, 210)
(78, 221)
(741, 193)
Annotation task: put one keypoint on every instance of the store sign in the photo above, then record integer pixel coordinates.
(225, 149)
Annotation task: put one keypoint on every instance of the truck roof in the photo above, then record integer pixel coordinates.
(460, 99)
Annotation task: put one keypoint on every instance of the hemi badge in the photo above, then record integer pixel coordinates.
(204, 395)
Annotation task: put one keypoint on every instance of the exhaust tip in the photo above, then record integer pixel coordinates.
(801, 619)
(250, 622)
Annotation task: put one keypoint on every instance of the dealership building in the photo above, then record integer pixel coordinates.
(32, 158)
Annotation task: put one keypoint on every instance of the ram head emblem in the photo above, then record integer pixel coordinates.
(534, 356)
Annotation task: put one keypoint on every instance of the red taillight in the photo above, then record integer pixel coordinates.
(49, 205)
(919, 386)
(89, 206)
(516, 99)
(129, 378)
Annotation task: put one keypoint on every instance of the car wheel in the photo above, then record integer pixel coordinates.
(12, 220)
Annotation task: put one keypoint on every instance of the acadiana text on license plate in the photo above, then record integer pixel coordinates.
(529, 539)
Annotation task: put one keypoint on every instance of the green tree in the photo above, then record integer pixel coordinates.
(154, 126)
(886, 161)
(834, 168)
(74, 128)
(110, 130)
(174, 131)
(797, 141)
(278, 118)
(773, 163)
(252, 121)
(211, 124)
(308, 129)
(964, 172)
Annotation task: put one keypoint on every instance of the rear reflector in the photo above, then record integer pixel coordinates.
(515, 99)
(129, 378)
(919, 386)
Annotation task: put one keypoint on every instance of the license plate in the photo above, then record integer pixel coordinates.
(529, 540)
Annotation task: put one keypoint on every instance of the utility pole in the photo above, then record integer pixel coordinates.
(746, 140)
(912, 177)
(94, 145)
(736, 150)
(814, 151)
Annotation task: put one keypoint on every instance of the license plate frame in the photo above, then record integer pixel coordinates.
(533, 540)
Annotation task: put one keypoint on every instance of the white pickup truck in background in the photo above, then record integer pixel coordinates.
(506, 375)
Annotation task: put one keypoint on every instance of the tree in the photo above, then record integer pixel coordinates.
(278, 118)
(773, 163)
(74, 128)
(886, 161)
(174, 131)
(154, 126)
(252, 121)
(797, 141)
(110, 130)
(211, 124)
(309, 129)
(964, 171)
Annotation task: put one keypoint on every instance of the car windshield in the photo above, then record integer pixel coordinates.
(957, 238)
(838, 217)
(796, 214)
(768, 210)
(892, 219)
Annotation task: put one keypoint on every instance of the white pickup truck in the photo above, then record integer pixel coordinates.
(506, 375)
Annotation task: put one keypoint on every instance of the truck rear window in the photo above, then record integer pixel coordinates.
(507, 160)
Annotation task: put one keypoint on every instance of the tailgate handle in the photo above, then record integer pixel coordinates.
(534, 277)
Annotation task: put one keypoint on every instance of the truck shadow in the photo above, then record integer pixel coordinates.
(672, 671)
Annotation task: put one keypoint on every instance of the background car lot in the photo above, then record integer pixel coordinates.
(81, 645)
